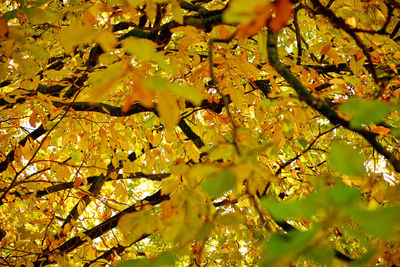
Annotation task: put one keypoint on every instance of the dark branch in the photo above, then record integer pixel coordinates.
(320, 106)
(10, 156)
(100, 229)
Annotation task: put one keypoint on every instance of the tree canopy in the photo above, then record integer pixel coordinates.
(199, 132)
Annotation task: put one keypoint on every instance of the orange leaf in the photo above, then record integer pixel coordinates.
(251, 28)
(167, 209)
(380, 130)
(3, 29)
(359, 55)
(325, 49)
(197, 251)
(128, 103)
(223, 33)
(78, 181)
(375, 58)
(283, 12)
(180, 161)
(144, 96)
(113, 175)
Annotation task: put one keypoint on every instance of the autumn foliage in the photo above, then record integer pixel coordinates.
(199, 133)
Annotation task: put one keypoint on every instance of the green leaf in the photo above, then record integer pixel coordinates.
(10, 15)
(296, 209)
(39, 2)
(364, 112)
(76, 156)
(216, 185)
(146, 50)
(166, 259)
(322, 255)
(346, 160)
(395, 132)
(155, 83)
(280, 249)
(381, 223)
(186, 92)
(344, 196)
(332, 199)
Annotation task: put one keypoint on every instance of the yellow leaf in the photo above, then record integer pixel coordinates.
(337, 81)
(76, 34)
(106, 40)
(170, 185)
(396, 55)
(168, 109)
(104, 81)
(177, 12)
(134, 225)
(394, 68)
(237, 95)
(151, 10)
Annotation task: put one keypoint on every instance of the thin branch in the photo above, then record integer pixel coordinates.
(287, 163)
(298, 37)
(69, 185)
(10, 156)
(214, 82)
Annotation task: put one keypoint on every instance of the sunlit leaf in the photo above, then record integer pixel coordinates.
(135, 225)
(144, 49)
(103, 81)
(168, 109)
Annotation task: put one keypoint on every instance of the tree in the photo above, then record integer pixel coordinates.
(199, 133)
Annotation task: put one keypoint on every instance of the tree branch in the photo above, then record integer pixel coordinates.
(100, 229)
(320, 106)
(341, 24)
